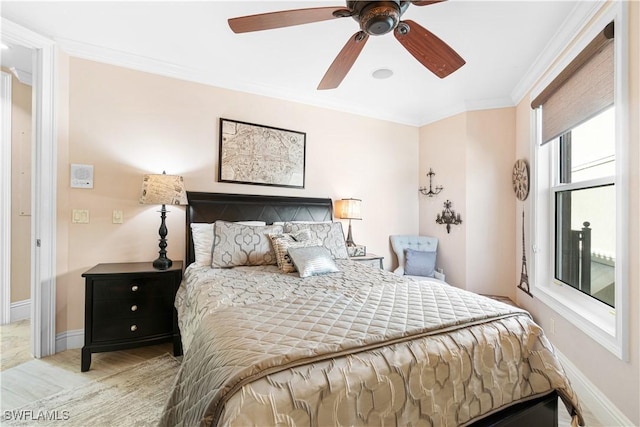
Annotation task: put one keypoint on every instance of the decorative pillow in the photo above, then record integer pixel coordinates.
(202, 236)
(313, 260)
(419, 263)
(301, 222)
(330, 234)
(237, 244)
(281, 245)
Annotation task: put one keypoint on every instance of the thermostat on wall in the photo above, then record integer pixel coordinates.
(81, 176)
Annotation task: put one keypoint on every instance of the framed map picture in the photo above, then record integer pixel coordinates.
(261, 155)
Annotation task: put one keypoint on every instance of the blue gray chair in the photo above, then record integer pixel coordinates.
(417, 256)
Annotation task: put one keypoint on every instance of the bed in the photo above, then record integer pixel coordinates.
(356, 346)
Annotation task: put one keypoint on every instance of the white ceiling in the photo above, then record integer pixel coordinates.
(501, 41)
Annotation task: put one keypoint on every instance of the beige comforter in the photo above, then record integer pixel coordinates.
(359, 347)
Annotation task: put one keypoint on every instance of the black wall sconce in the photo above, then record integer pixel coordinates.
(430, 192)
(448, 217)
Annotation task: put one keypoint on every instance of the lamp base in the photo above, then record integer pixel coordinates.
(162, 263)
(350, 242)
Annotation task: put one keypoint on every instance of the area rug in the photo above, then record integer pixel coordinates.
(132, 397)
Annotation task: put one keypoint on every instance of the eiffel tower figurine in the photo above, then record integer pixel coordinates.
(524, 278)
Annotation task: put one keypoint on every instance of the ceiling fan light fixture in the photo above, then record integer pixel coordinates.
(380, 17)
(382, 73)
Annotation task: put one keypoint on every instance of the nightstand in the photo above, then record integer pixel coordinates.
(129, 305)
(369, 259)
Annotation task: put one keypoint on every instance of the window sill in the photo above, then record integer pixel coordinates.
(591, 316)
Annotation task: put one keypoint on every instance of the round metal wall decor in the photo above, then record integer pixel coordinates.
(520, 179)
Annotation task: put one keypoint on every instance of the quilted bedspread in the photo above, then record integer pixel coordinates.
(359, 347)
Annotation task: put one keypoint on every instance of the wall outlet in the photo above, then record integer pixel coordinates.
(80, 216)
(552, 325)
(117, 217)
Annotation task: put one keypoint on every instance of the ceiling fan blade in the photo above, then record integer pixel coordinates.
(426, 2)
(428, 49)
(285, 18)
(344, 61)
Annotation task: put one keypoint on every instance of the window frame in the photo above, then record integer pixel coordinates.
(604, 324)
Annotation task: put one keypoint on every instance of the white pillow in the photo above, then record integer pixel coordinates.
(202, 235)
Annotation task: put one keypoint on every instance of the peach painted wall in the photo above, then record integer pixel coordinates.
(127, 123)
(617, 379)
(20, 190)
(443, 149)
(472, 156)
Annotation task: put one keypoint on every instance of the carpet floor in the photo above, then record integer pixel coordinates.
(132, 397)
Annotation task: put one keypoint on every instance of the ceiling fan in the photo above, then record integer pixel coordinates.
(375, 18)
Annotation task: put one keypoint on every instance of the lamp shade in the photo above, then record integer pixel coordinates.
(163, 189)
(348, 209)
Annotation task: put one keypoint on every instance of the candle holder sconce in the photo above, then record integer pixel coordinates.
(448, 217)
(429, 192)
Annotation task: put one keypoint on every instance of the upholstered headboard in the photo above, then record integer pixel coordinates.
(209, 207)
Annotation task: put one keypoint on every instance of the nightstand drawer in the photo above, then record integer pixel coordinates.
(129, 305)
(129, 287)
(125, 329)
(132, 307)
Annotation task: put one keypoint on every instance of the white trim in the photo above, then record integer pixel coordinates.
(465, 107)
(591, 397)
(43, 194)
(168, 69)
(20, 310)
(606, 326)
(581, 14)
(5, 200)
(68, 340)
(608, 14)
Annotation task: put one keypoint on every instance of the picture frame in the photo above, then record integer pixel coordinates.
(261, 155)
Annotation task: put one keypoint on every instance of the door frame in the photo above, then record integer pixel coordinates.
(43, 186)
(5, 201)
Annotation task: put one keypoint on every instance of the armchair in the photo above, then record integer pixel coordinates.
(420, 257)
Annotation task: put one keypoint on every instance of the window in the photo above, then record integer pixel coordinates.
(580, 185)
(584, 205)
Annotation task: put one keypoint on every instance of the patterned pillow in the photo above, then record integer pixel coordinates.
(313, 260)
(281, 245)
(236, 244)
(330, 234)
(202, 236)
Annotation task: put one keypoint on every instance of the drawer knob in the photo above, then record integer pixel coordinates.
(134, 328)
(134, 307)
(134, 288)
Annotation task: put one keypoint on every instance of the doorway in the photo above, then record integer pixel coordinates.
(42, 240)
(17, 119)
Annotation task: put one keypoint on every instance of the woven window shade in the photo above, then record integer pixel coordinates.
(581, 91)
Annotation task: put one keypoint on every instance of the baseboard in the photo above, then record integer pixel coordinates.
(591, 397)
(20, 310)
(69, 340)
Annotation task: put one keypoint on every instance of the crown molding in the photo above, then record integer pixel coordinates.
(167, 69)
(466, 107)
(581, 14)
(23, 76)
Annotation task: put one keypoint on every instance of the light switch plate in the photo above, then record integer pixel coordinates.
(80, 216)
(117, 217)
